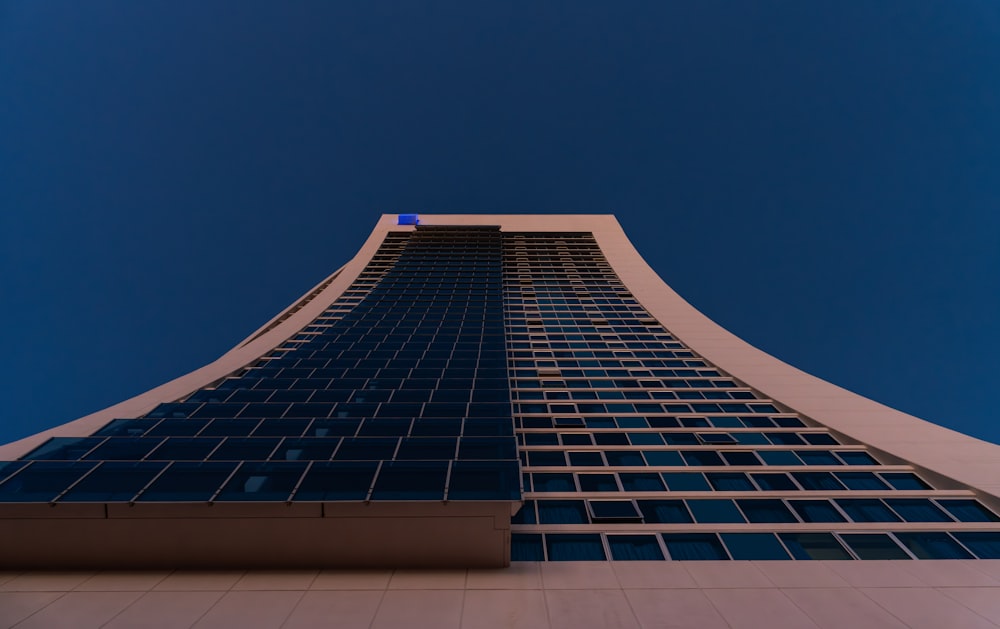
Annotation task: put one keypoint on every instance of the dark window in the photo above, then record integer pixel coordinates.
(729, 481)
(665, 511)
(188, 482)
(766, 511)
(262, 481)
(634, 547)
(931, 545)
(337, 481)
(526, 547)
(867, 510)
(754, 546)
(484, 480)
(714, 511)
(613, 511)
(984, 545)
(574, 547)
(874, 546)
(816, 511)
(42, 481)
(553, 482)
(561, 512)
(818, 546)
(917, 510)
(694, 546)
(113, 481)
(967, 510)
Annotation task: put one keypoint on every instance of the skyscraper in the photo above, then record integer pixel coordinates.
(471, 390)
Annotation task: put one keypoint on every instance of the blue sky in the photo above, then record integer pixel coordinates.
(821, 178)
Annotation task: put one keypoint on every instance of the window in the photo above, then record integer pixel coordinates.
(874, 546)
(694, 546)
(613, 511)
(754, 546)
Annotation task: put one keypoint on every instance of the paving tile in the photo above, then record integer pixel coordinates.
(983, 601)
(165, 610)
(753, 608)
(674, 609)
(276, 580)
(506, 609)
(419, 609)
(16, 606)
(45, 581)
(726, 574)
(122, 581)
(343, 610)
(352, 580)
(950, 573)
(835, 608)
(806, 574)
(926, 608)
(875, 573)
(563, 575)
(427, 580)
(583, 609)
(652, 574)
(521, 575)
(80, 610)
(987, 566)
(196, 580)
(250, 610)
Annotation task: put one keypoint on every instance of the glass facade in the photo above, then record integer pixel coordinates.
(474, 364)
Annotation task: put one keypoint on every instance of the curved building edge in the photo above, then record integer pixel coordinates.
(940, 451)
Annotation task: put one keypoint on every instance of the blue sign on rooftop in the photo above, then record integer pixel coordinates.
(408, 219)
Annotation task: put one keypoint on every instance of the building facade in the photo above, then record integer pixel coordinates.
(479, 391)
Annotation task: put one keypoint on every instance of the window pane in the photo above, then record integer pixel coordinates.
(817, 481)
(874, 546)
(754, 546)
(816, 511)
(337, 481)
(686, 481)
(188, 482)
(732, 481)
(561, 512)
(904, 481)
(766, 511)
(984, 545)
(597, 482)
(774, 482)
(931, 545)
(634, 547)
(113, 481)
(42, 481)
(484, 480)
(632, 481)
(694, 546)
(818, 546)
(857, 458)
(861, 481)
(664, 511)
(526, 547)
(613, 511)
(262, 481)
(714, 511)
(553, 482)
(969, 511)
(917, 510)
(574, 547)
(411, 480)
(867, 510)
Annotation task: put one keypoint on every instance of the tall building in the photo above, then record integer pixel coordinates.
(522, 393)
